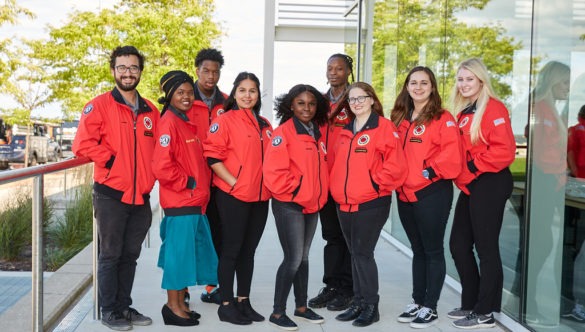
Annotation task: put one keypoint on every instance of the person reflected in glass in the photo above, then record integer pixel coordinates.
(486, 184)
(337, 293)
(187, 255)
(369, 164)
(234, 149)
(296, 173)
(431, 142)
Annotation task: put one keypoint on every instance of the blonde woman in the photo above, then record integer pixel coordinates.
(486, 184)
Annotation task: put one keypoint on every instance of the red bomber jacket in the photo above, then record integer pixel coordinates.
(295, 167)
(121, 145)
(239, 140)
(331, 130)
(368, 165)
(495, 150)
(179, 166)
(434, 147)
(202, 116)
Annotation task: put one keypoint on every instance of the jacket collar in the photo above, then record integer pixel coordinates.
(301, 130)
(142, 105)
(218, 98)
(372, 123)
(179, 114)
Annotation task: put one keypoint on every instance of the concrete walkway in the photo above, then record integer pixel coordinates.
(395, 289)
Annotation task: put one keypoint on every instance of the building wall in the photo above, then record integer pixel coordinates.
(535, 52)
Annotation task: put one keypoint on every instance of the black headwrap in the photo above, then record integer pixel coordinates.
(169, 83)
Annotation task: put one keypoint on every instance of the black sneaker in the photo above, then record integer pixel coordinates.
(475, 321)
(325, 295)
(116, 321)
(458, 313)
(136, 318)
(409, 313)
(339, 302)
(310, 316)
(283, 322)
(212, 297)
(426, 317)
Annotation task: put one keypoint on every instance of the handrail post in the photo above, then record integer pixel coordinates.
(96, 304)
(37, 254)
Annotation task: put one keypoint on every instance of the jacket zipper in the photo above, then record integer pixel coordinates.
(135, 162)
(347, 168)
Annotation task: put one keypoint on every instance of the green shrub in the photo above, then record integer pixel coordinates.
(16, 224)
(57, 257)
(74, 231)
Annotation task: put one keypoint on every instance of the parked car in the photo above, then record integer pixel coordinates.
(55, 153)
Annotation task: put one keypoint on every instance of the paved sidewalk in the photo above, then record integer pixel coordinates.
(395, 288)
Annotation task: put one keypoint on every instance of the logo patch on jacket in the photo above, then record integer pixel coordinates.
(276, 141)
(463, 122)
(220, 112)
(499, 121)
(342, 115)
(88, 109)
(147, 123)
(419, 130)
(363, 140)
(214, 127)
(164, 140)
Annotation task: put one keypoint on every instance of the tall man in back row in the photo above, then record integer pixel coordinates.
(116, 131)
(207, 106)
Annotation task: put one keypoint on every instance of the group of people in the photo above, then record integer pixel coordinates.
(333, 157)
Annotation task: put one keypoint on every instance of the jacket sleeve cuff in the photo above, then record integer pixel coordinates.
(110, 162)
(471, 166)
(191, 183)
(432, 173)
(211, 161)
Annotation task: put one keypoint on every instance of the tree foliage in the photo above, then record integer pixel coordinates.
(407, 33)
(76, 57)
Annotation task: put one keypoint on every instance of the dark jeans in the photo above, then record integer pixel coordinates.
(477, 222)
(242, 224)
(295, 232)
(362, 230)
(121, 231)
(424, 222)
(336, 257)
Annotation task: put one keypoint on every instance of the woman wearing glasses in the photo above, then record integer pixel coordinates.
(369, 164)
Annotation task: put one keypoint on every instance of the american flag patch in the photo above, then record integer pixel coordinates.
(396, 135)
(499, 121)
(450, 124)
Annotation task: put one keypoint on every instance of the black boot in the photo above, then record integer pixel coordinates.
(229, 313)
(353, 312)
(246, 309)
(368, 315)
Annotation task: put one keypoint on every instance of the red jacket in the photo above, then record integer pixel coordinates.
(576, 145)
(178, 156)
(331, 130)
(120, 144)
(295, 167)
(434, 146)
(368, 165)
(202, 116)
(494, 152)
(239, 141)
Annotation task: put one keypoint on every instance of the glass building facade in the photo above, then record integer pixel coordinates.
(535, 53)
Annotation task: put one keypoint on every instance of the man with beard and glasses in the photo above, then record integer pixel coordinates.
(116, 131)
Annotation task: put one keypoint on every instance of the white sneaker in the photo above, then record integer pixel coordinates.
(426, 317)
(410, 313)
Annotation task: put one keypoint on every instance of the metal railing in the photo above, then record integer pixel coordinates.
(37, 173)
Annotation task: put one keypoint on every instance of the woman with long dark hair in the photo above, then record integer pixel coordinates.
(234, 149)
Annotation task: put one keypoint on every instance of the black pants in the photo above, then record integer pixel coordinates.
(336, 257)
(362, 230)
(477, 222)
(121, 231)
(242, 224)
(424, 222)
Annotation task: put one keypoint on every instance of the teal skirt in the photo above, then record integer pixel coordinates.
(187, 255)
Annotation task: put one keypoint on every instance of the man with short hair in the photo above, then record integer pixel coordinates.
(116, 131)
(207, 106)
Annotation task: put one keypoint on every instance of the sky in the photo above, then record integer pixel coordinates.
(242, 45)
